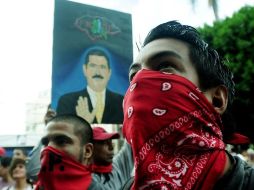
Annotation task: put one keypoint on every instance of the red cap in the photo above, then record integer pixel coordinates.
(2, 151)
(101, 134)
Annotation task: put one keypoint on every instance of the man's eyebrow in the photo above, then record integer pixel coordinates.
(165, 54)
(45, 140)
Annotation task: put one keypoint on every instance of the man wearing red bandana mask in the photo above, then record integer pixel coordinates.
(68, 153)
(174, 115)
(109, 170)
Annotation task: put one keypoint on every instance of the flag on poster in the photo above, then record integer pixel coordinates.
(92, 52)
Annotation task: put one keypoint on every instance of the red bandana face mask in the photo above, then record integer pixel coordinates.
(60, 171)
(101, 169)
(175, 133)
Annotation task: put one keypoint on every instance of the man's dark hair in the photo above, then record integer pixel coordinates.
(82, 128)
(98, 52)
(210, 68)
(5, 161)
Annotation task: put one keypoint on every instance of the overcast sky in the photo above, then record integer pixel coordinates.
(26, 43)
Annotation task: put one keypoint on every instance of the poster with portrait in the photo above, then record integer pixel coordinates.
(92, 52)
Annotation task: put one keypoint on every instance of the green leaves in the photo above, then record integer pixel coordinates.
(233, 38)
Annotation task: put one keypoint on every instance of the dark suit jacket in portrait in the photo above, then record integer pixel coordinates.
(113, 111)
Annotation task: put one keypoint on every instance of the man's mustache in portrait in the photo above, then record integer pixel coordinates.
(98, 76)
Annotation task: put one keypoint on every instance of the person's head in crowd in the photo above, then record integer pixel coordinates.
(20, 152)
(202, 65)
(72, 135)
(67, 154)
(5, 163)
(18, 171)
(50, 113)
(103, 146)
(96, 69)
(173, 109)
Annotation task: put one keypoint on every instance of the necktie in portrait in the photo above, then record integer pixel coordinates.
(99, 107)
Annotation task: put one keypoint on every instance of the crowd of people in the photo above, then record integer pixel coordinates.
(13, 171)
(176, 129)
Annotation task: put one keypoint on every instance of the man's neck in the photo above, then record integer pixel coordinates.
(94, 91)
(20, 184)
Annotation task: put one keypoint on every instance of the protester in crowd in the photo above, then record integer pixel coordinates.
(5, 178)
(67, 155)
(120, 167)
(173, 113)
(95, 103)
(19, 152)
(18, 173)
(109, 170)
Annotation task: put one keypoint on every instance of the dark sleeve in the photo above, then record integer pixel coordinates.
(67, 104)
(113, 112)
(239, 177)
(123, 162)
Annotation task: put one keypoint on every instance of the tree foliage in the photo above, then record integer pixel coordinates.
(233, 38)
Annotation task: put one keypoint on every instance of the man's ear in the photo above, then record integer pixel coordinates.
(88, 151)
(220, 99)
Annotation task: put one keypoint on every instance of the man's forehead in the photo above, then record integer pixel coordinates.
(60, 126)
(97, 58)
(162, 45)
(17, 151)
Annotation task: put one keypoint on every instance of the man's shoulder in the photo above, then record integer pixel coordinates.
(96, 185)
(115, 95)
(74, 94)
(240, 176)
(244, 173)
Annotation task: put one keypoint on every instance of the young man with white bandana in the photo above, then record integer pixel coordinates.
(175, 115)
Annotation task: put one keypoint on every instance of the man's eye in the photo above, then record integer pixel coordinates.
(61, 141)
(103, 67)
(91, 65)
(165, 66)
